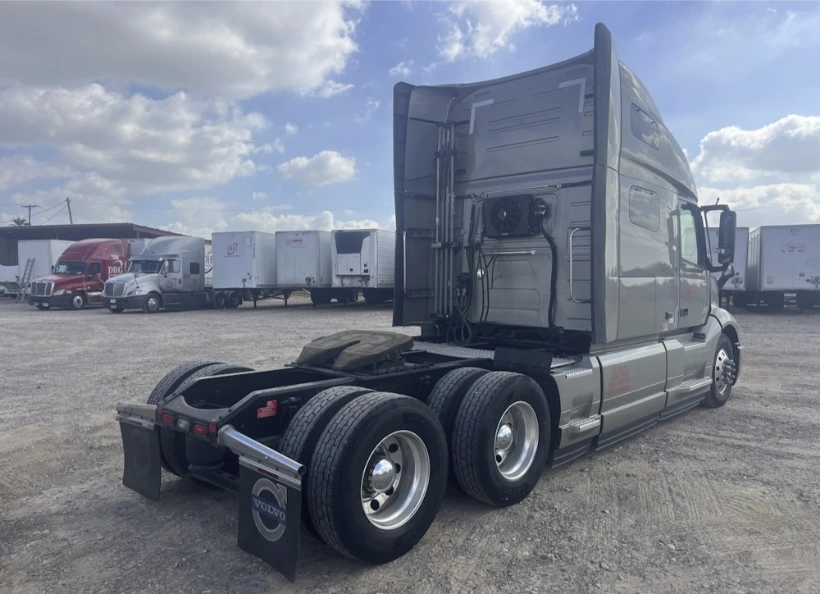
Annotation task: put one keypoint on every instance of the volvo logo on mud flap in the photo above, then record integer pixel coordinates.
(269, 510)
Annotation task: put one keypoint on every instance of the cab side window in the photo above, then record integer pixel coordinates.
(94, 269)
(173, 266)
(689, 238)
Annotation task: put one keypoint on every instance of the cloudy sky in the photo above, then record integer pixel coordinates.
(207, 117)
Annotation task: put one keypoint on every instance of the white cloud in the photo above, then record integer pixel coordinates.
(233, 49)
(332, 88)
(369, 109)
(322, 169)
(480, 29)
(17, 170)
(259, 195)
(770, 175)
(401, 69)
(142, 144)
(783, 149)
(291, 129)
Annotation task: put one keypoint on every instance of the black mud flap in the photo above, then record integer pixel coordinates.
(142, 458)
(270, 516)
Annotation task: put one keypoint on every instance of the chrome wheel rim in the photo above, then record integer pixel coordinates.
(153, 304)
(395, 480)
(77, 301)
(723, 367)
(516, 440)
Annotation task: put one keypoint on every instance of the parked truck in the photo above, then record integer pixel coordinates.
(364, 259)
(784, 262)
(552, 252)
(169, 272)
(80, 274)
(39, 257)
(244, 268)
(734, 287)
(303, 261)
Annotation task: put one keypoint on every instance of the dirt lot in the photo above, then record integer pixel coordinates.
(713, 501)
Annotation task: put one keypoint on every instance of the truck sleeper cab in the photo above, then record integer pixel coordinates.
(551, 248)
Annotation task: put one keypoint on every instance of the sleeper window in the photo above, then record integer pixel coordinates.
(644, 208)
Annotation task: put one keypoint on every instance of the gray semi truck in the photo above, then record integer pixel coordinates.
(168, 272)
(551, 248)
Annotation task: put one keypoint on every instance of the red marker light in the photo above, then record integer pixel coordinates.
(201, 430)
(212, 428)
(168, 418)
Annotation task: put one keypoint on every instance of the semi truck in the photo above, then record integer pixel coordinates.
(78, 277)
(364, 259)
(734, 287)
(244, 268)
(551, 249)
(169, 272)
(39, 255)
(784, 262)
(303, 261)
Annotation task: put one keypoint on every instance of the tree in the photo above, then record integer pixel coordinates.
(19, 222)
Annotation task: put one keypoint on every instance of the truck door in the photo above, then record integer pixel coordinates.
(170, 276)
(94, 282)
(693, 302)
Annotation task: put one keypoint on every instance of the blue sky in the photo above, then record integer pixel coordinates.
(224, 117)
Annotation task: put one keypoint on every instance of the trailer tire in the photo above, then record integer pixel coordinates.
(153, 303)
(479, 455)
(725, 367)
(445, 399)
(172, 443)
(234, 300)
(304, 430)
(347, 451)
(320, 297)
(219, 300)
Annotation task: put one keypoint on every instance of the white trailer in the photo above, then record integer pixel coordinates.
(303, 262)
(784, 260)
(737, 283)
(364, 259)
(44, 252)
(244, 267)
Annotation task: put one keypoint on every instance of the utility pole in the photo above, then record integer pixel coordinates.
(70, 218)
(29, 207)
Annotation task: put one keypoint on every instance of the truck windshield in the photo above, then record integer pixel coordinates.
(145, 266)
(69, 268)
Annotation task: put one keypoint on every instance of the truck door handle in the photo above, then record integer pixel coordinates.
(684, 312)
(669, 315)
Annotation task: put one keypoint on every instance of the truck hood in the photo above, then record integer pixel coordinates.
(129, 277)
(61, 280)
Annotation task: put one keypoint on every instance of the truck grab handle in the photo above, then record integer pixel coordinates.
(571, 294)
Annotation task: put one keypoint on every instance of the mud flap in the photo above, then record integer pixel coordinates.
(270, 516)
(142, 458)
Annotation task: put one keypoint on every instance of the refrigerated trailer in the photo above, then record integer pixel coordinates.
(244, 268)
(43, 254)
(364, 259)
(784, 261)
(735, 285)
(552, 252)
(303, 261)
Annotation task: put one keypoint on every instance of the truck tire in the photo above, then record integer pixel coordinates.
(319, 297)
(303, 432)
(172, 443)
(723, 374)
(234, 300)
(502, 438)
(219, 299)
(446, 397)
(385, 453)
(168, 386)
(42, 306)
(153, 303)
(77, 301)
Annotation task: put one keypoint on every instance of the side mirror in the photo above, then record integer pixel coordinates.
(726, 237)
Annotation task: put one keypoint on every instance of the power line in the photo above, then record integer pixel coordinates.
(29, 207)
(54, 215)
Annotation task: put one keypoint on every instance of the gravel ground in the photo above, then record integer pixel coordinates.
(712, 501)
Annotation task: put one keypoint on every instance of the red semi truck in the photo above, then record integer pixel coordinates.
(81, 271)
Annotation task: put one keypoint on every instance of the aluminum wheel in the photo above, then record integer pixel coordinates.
(516, 440)
(395, 480)
(152, 304)
(77, 301)
(723, 369)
